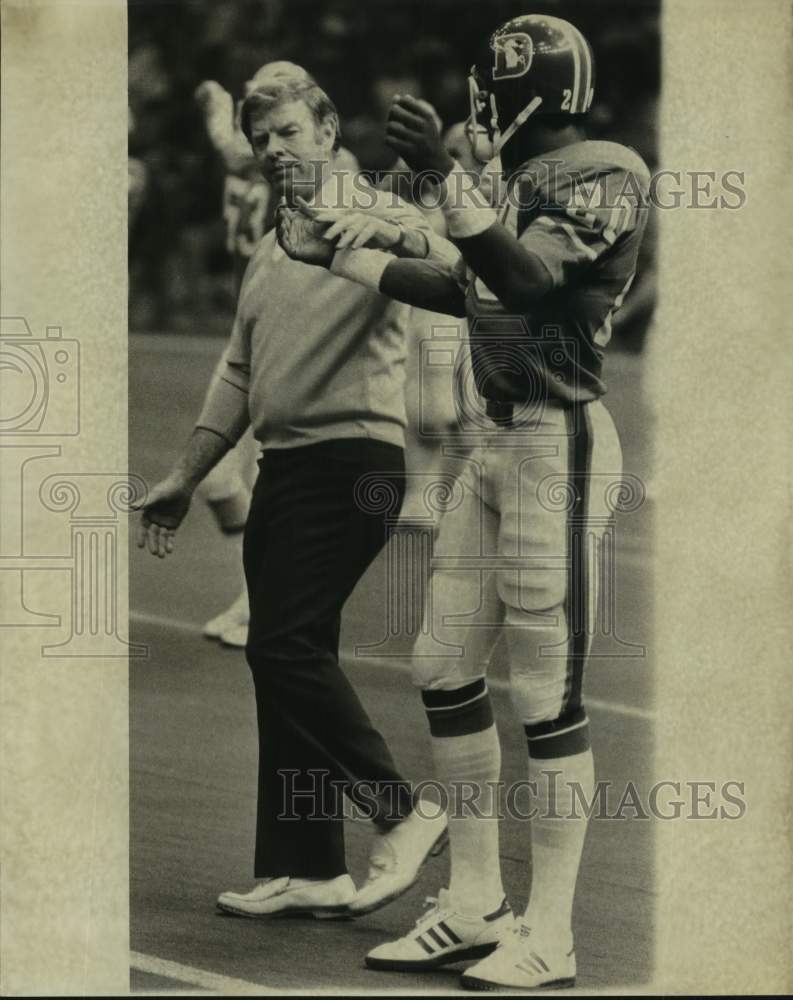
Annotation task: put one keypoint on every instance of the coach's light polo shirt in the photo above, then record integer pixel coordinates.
(314, 356)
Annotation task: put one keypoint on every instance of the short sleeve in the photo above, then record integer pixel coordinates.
(570, 238)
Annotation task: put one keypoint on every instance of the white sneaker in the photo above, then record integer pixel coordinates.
(523, 962)
(443, 936)
(396, 859)
(233, 617)
(277, 896)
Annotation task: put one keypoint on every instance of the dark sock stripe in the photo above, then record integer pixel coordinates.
(566, 743)
(460, 712)
(449, 699)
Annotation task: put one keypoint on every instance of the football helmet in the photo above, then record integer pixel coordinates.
(532, 65)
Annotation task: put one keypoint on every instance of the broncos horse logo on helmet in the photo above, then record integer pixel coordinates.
(533, 65)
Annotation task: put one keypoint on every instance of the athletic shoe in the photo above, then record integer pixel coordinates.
(236, 636)
(233, 617)
(522, 962)
(396, 859)
(275, 897)
(443, 936)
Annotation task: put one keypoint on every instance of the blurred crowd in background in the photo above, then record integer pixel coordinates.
(361, 52)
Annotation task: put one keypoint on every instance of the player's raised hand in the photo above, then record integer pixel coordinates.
(163, 512)
(413, 131)
(217, 105)
(350, 228)
(301, 237)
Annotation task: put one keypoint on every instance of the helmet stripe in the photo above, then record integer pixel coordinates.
(587, 61)
(571, 34)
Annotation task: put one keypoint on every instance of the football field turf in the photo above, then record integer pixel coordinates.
(193, 746)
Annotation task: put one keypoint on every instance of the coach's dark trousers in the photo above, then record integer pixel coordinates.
(310, 536)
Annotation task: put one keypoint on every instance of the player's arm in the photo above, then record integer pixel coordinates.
(217, 106)
(426, 284)
(517, 277)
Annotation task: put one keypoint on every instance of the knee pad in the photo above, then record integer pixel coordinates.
(532, 590)
(538, 688)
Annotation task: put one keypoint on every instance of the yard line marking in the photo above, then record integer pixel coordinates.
(495, 683)
(213, 981)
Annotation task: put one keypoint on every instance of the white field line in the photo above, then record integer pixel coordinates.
(212, 981)
(495, 683)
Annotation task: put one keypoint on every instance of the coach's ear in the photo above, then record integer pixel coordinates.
(327, 131)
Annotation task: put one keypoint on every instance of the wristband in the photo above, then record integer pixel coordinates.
(364, 266)
(466, 208)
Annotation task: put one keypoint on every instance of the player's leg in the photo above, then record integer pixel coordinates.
(551, 517)
(433, 340)
(227, 494)
(463, 612)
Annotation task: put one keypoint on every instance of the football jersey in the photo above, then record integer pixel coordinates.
(247, 213)
(581, 210)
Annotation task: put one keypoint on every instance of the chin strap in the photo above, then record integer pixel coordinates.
(499, 140)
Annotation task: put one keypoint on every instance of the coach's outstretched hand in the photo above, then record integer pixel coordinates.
(163, 512)
(413, 131)
(301, 237)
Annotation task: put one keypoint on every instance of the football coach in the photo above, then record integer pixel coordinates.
(315, 363)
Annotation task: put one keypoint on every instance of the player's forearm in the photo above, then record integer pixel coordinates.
(515, 276)
(418, 283)
(424, 285)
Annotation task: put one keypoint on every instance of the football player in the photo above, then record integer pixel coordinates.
(548, 254)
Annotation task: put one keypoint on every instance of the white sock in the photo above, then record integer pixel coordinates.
(472, 759)
(557, 840)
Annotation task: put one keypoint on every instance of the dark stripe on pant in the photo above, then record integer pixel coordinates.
(577, 603)
(449, 715)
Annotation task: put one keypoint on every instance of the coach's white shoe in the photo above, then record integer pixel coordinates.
(236, 616)
(443, 936)
(523, 962)
(396, 859)
(236, 636)
(274, 897)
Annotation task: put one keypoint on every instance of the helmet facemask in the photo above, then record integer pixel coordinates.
(484, 102)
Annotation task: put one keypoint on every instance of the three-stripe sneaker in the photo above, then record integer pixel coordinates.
(443, 936)
(523, 962)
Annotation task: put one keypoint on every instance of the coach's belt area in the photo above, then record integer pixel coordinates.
(500, 413)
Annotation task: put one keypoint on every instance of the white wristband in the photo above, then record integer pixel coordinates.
(465, 206)
(364, 266)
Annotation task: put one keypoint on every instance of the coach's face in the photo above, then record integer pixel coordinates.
(291, 148)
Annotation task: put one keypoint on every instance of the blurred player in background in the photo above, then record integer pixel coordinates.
(549, 253)
(248, 211)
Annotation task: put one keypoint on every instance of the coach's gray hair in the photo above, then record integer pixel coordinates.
(284, 89)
